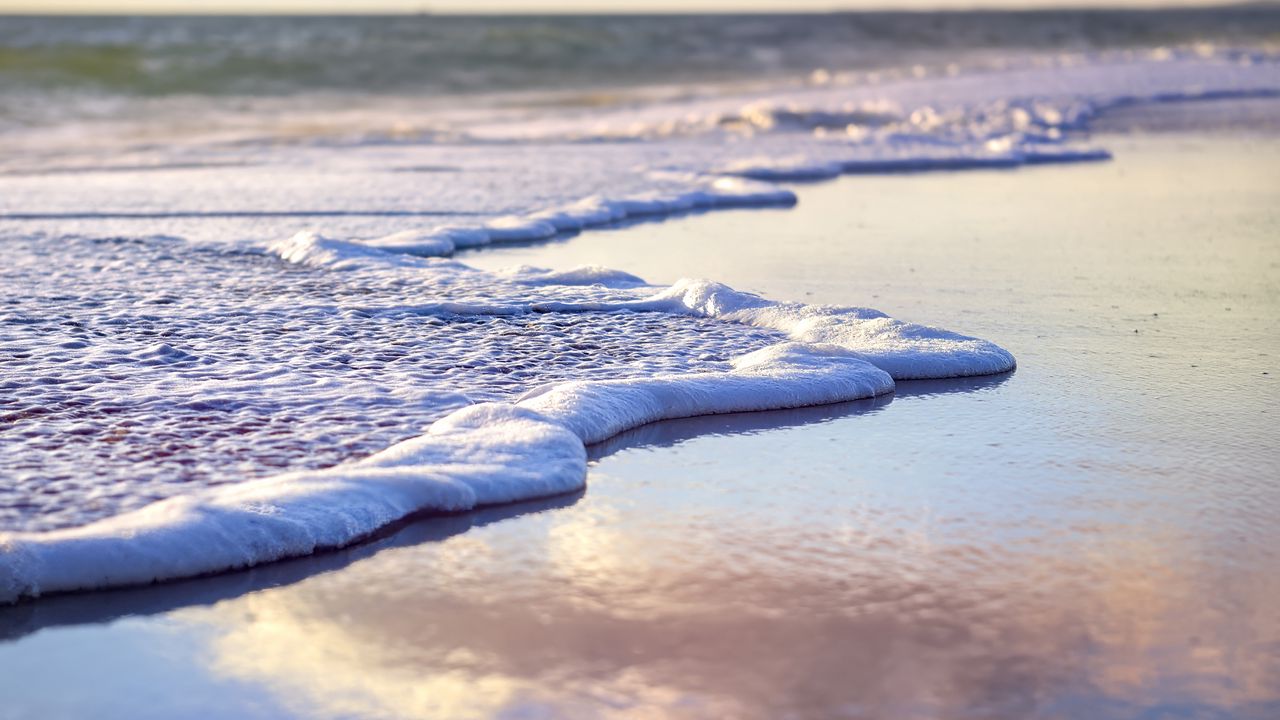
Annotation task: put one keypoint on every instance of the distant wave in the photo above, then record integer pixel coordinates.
(431, 55)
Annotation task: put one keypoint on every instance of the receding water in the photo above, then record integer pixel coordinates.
(136, 370)
(1092, 536)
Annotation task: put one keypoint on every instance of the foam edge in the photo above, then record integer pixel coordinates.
(485, 454)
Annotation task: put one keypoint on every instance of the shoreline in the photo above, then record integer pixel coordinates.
(1019, 546)
(43, 562)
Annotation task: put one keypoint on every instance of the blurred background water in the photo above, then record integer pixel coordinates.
(426, 54)
(60, 67)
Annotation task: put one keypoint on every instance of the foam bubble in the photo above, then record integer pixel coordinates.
(907, 351)
(415, 242)
(782, 376)
(582, 275)
(514, 228)
(484, 454)
(480, 455)
(310, 248)
(793, 168)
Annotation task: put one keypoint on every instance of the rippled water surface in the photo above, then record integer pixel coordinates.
(1092, 536)
(135, 370)
(441, 55)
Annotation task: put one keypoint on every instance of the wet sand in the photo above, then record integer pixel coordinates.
(1093, 535)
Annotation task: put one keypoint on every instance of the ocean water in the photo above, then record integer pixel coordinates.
(232, 330)
(295, 368)
(427, 54)
(1091, 536)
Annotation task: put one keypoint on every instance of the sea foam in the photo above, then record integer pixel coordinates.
(491, 452)
(480, 455)
(509, 435)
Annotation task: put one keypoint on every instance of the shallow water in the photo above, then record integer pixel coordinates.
(136, 370)
(356, 196)
(1091, 536)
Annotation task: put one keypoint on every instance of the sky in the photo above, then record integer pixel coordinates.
(476, 6)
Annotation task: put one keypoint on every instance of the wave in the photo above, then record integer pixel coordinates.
(485, 454)
(433, 55)
(491, 453)
(534, 446)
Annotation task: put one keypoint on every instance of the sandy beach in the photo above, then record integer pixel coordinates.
(1092, 535)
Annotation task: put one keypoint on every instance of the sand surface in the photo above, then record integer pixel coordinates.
(1092, 536)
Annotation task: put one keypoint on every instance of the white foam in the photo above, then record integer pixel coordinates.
(1053, 92)
(587, 212)
(480, 455)
(907, 351)
(492, 453)
(415, 242)
(581, 275)
(310, 248)
(513, 228)
(782, 376)
(695, 192)
(462, 236)
(783, 168)
(484, 454)
(738, 192)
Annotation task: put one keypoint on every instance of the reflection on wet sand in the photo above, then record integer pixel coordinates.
(753, 591)
(74, 609)
(18, 621)
(844, 615)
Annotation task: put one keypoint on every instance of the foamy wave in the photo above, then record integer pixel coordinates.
(492, 452)
(481, 455)
(1040, 99)
(501, 452)
(788, 375)
(1024, 116)
(583, 275)
(700, 193)
(906, 351)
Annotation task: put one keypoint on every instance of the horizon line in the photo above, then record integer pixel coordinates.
(1101, 6)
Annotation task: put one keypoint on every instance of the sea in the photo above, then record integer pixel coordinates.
(238, 322)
